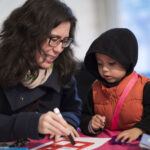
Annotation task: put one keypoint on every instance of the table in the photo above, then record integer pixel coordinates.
(109, 146)
(104, 134)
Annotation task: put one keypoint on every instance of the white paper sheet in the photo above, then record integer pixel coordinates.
(96, 142)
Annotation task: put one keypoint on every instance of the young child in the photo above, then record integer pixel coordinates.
(120, 98)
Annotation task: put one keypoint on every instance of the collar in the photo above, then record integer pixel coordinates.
(20, 96)
(53, 81)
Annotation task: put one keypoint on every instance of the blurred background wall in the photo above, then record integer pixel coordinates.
(97, 16)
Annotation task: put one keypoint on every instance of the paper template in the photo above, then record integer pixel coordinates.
(82, 143)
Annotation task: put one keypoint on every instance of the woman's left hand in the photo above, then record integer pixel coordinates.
(129, 135)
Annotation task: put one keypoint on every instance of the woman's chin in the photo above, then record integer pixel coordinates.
(45, 66)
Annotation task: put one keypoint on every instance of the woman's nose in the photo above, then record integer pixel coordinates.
(58, 48)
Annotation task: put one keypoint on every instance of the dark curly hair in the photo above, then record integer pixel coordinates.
(24, 31)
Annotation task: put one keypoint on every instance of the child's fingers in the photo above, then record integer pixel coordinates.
(96, 125)
(123, 136)
(100, 120)
(130, 140)
(124, 139)
(97, 120)
(104, 119)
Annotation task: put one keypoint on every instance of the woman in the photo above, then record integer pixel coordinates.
(36, 68)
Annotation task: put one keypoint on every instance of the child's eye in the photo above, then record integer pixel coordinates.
(112, 63)
(99, 64)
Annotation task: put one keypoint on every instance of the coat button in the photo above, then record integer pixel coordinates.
(22, 98)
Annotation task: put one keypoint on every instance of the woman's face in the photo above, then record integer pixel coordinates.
(50, 53)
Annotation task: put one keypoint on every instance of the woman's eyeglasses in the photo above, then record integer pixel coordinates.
(56, 40)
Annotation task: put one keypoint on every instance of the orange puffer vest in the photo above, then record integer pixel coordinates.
(105, 101)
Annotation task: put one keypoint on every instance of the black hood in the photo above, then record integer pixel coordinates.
(119, 44)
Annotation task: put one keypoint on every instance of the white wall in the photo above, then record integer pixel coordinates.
(6, 6)
(93, 18)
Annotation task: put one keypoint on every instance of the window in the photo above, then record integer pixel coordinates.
(135, 15)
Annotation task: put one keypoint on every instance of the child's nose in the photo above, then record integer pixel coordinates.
(105, 68)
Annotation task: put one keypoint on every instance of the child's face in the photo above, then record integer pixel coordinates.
(109, 69)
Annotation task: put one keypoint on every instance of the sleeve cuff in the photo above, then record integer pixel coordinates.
(26, 125)
(91, 130)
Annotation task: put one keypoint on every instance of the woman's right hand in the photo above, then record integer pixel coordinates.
(98, 122)
(72, 130)
(51, 123)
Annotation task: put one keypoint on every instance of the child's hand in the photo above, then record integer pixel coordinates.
(129, 135)
(98, 122)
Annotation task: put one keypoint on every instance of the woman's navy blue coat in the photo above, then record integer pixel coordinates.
(17, 123)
